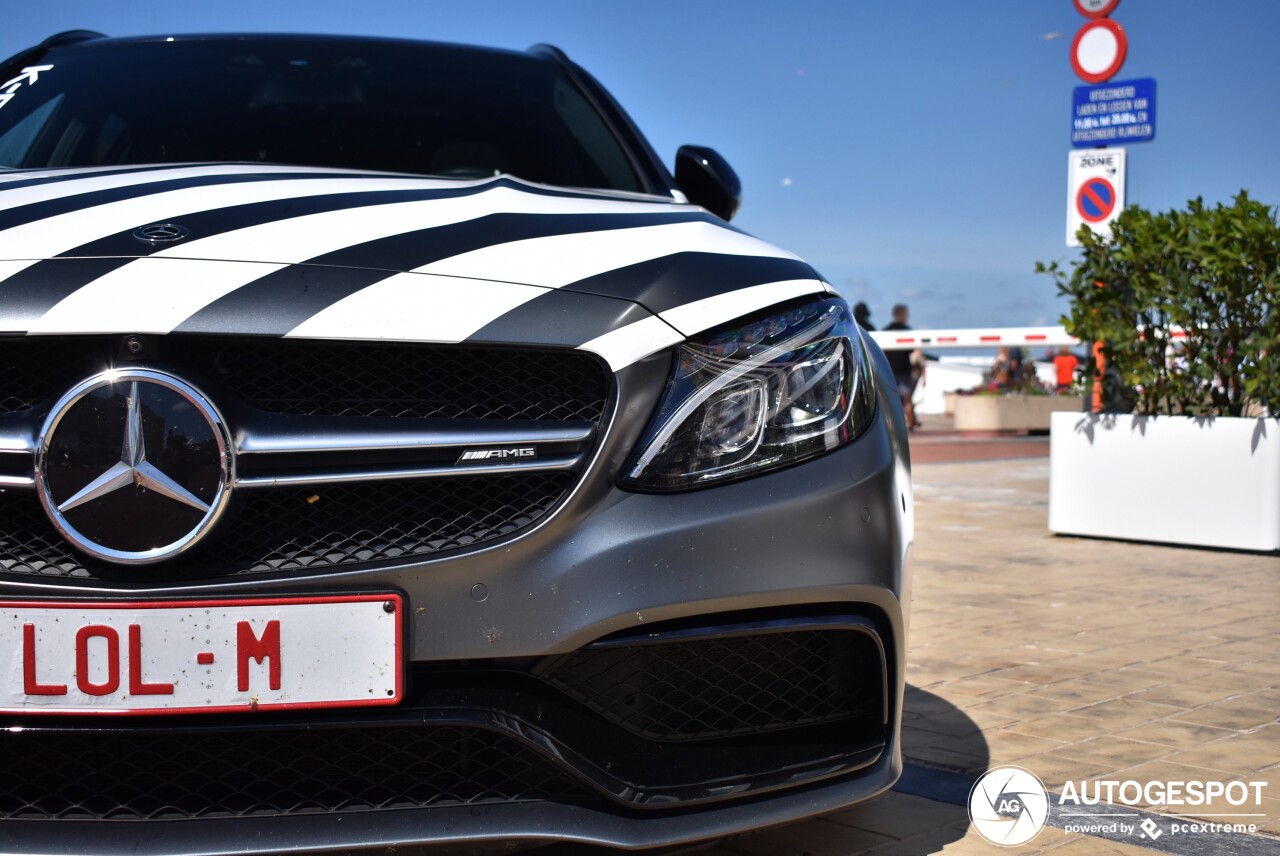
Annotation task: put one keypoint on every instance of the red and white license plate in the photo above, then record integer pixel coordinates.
(201, 656)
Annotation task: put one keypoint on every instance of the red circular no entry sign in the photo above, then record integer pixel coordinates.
(1096, 8)
(1098, 50)
(1096, 200)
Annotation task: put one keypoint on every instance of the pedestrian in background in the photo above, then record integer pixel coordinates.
(1066, 364)
(862, 314)
(917, 373)
(1001, 370)
(1017, 369)
(903, 364)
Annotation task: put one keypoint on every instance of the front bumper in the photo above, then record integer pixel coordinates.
(530, 822)
(831, 535)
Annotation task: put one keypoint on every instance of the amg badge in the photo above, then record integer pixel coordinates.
(525, 453)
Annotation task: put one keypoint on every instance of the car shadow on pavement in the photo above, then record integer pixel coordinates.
(944, 753)
(936, 733)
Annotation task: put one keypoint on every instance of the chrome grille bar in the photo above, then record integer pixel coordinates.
(335, 435)
(17, 450)
(557, 464)
(16, 438)
(334, 446)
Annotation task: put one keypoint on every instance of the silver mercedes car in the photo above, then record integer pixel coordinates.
(393, 452)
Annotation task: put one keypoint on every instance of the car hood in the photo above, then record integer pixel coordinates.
(316, 253)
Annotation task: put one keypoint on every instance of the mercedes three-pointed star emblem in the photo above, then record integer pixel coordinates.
(133, 467)
(149, 497)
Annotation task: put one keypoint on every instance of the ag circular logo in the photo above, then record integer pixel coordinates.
(133, 466)
(1008, 806)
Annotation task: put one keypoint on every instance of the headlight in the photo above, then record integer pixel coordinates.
(766, 394)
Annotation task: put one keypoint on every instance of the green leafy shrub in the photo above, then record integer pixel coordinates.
(1213, 272)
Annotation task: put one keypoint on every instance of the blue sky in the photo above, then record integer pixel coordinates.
(911, 150)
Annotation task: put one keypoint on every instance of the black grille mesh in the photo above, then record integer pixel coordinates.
(132, 776)
(296, 376)
(39, 370)
(731, 686)
(356, 379)
(287, 529)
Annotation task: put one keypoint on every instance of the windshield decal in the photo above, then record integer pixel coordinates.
(29, 75)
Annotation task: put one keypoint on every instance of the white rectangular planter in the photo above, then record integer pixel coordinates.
(1171, 479)
(1011, 412)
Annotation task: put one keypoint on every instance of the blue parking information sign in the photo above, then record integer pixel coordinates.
(1114, 113)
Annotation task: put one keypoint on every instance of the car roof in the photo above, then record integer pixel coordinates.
(88, 39)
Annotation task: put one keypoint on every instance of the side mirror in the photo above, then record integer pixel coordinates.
(708, 180)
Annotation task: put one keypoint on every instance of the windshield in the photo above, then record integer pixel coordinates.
(400, 107)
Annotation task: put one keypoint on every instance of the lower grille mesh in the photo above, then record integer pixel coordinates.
(730, 686)
(118, 775)
(661, 707)
(287, 529)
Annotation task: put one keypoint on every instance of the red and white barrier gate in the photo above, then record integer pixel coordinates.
(981, 337)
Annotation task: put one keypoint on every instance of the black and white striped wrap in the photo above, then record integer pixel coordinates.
(330, 254)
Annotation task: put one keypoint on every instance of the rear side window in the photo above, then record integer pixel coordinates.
(428, 109)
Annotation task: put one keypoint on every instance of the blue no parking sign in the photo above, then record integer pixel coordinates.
(1095, 191)
(1096, 200)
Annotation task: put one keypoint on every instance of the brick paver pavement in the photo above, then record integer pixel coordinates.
(1074, 658)
(938, 441)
